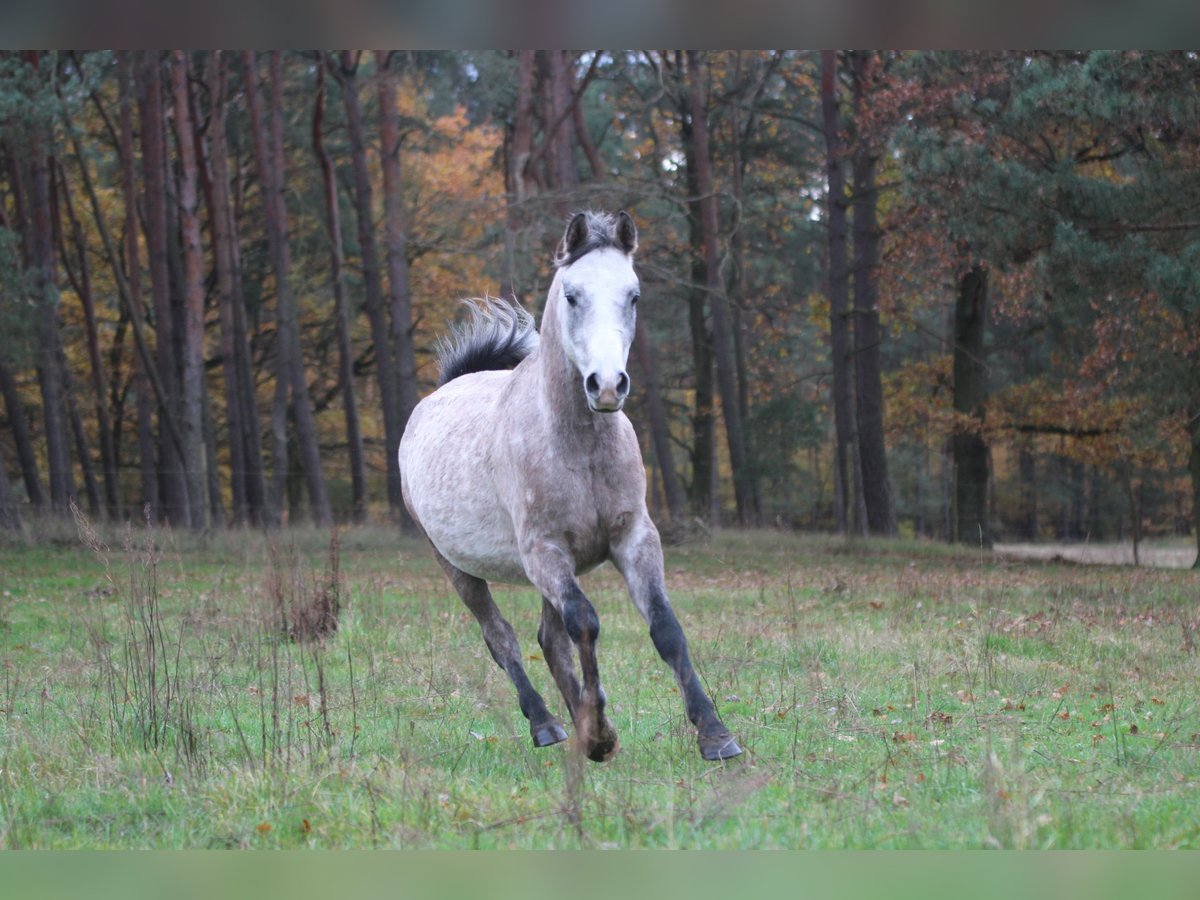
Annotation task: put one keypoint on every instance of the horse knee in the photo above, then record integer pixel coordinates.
(580, 619)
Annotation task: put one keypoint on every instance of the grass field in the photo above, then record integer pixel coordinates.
(888, 695)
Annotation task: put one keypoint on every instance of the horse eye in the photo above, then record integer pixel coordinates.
(570, 299)
(634, 299)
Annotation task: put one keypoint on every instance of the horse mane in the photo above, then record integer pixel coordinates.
(496, 335)
(596, 230)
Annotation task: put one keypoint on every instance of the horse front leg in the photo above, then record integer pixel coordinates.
(553, 573)
(639, 559)
(556, 649)
(501, 640)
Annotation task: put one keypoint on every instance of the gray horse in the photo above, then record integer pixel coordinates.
(535, 476)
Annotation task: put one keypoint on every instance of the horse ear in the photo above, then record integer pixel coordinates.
(575, 235)
(626, 233)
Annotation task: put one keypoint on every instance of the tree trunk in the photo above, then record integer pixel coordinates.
(333, 222)
(872, 447)
(215, 178)
(172, 491)
(564, 171)
(245, 441)
(145, 404)
(582, 136)
(1193, 429)
(10, 512)
(194, 392)
(51, 377)
(702, 497)
(268, 145)
(81, 283)
(389, 389)
(395, 228)
(26, 454)
(970, 451)
(90, 489)
(1027, 523)
(726, 378)
(660, 433)
(839, 290)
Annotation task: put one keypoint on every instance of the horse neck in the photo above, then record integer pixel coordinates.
(561, 385)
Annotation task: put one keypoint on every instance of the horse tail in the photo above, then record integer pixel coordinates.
(497, 335)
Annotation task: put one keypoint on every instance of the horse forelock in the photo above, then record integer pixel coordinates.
(601, 233)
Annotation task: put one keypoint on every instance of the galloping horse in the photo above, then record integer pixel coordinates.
(535, 476)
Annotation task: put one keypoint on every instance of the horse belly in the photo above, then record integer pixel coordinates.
(450, 489)
(481, 543)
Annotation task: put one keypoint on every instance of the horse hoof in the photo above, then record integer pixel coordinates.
(722, 746)
(603, 751)
(551, 733)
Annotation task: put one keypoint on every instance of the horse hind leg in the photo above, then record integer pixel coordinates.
(501, 640)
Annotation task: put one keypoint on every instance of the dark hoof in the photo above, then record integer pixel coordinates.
(721, 746)
(604, 750)
(601, 748)
(550, 733)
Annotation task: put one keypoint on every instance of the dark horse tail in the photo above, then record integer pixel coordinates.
(497, 335)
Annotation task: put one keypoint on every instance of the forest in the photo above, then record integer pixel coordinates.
(948, 294)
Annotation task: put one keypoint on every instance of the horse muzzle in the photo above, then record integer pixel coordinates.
(606, 394)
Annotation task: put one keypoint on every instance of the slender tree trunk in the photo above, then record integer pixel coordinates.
(26, 454)
(701, 494)
(582, 136)
(216, 506)
(194, 392)
(970, 451)
(91, 489)
(145, 404)
(737, 282)
(703, 423)
(245, 440)
(81, 283)
(522, 132)
(1027, 473)
(216, 198)
(389, 388)
(564, 177)
(1193, 429)
(395, 228)
(333, 222)
(131, 301)
(10, 511)
(839, 290)
(268, 141)
(726, 376)
(173, 495)
(51, 377)
(868, 382)
(660, 433)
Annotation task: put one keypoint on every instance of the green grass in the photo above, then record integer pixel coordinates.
(888, 695)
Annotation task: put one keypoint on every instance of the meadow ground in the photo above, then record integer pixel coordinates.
(888, 695)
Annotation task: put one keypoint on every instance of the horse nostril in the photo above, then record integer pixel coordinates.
(622, 384)
(592, 385)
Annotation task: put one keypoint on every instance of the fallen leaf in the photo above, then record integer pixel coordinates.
(305, 826)
(263, 827)
(1133, 729)
(903, 737)
(1064, 715)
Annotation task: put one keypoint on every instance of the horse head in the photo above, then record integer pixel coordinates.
(596, 303)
